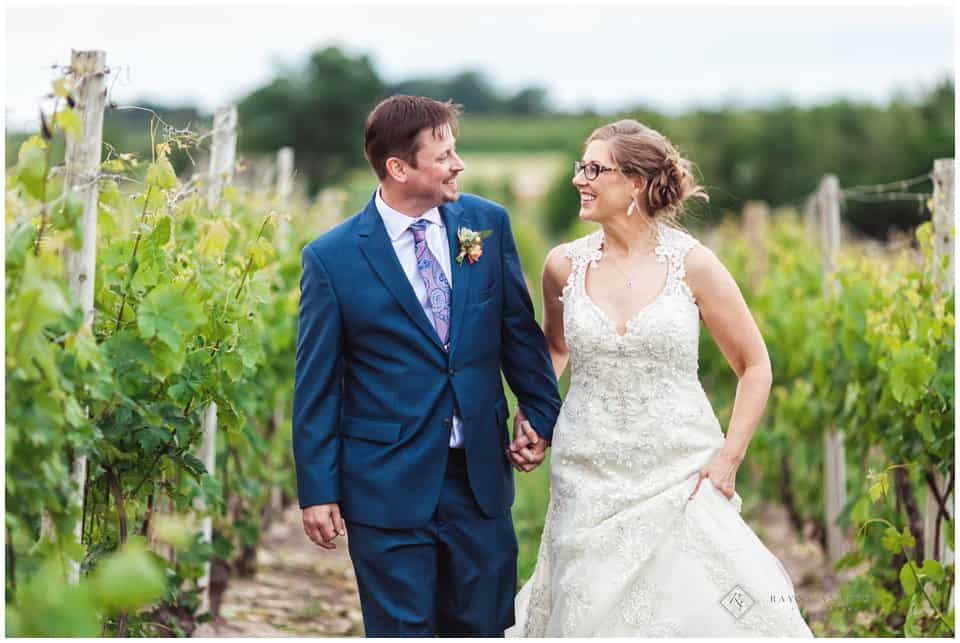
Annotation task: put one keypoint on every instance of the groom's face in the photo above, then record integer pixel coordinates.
(434, 180)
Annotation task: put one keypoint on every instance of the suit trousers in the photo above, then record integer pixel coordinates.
(455, 576)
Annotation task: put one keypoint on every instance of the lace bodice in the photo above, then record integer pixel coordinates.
(662, 335)
(646, 378)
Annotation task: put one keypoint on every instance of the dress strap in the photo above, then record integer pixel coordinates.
(581, 253)
(673, 246)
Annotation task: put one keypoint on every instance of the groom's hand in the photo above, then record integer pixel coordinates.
(322, 524)
(528, 449)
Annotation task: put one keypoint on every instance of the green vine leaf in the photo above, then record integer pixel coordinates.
(31, 171)
(69, 121)
(161, 174)
(164, 314)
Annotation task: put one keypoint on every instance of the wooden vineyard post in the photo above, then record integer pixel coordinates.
(834, 454)
(284, 190)
(285, 168)
(223, 154)
(81, 180)
(284, 176)
(755, 217)
(943, 223)
(222, 157)
(810, 223)
(934, 530)
(208, 451)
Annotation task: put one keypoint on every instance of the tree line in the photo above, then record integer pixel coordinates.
(772, 153)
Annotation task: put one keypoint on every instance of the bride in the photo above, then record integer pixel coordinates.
(643, 534)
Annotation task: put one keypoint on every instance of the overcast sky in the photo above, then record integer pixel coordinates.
(605, 57)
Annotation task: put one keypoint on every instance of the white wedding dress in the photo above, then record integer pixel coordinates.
(623, 552)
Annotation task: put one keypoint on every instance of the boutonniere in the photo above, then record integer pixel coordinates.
(471, 244)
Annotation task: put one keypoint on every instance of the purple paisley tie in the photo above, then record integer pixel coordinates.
(438, 288)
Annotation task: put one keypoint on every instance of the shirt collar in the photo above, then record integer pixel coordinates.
(397, 222)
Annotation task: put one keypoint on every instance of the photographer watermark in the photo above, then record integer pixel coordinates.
(738, 602)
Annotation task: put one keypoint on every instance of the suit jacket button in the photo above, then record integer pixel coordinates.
(447, 423)
(450, 372)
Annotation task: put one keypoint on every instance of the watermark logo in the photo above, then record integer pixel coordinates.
(737, 601)
(783, 599)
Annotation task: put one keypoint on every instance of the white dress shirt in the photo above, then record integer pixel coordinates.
(397, 225)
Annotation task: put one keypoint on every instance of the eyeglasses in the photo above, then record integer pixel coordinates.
(591, 170)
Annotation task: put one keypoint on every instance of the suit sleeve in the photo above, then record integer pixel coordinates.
(317, 387)
(524, 355)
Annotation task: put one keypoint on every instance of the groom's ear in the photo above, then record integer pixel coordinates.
(396, 169)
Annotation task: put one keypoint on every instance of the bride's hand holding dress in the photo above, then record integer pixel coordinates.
(728, 319)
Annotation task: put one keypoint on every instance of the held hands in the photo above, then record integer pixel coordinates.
(722, 471)
(528, 449)
(322, 524)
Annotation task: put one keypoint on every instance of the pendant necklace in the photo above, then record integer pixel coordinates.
(625, 275)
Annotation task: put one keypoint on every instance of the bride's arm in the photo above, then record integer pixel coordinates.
(556, 270)
(727, 317)
(527, 450)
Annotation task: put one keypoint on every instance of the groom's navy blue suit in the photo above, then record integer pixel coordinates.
(430, 532)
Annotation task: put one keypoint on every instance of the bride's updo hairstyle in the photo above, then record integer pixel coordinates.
(641, 151)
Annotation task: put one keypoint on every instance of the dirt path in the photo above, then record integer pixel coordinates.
(816, 586)
(302, 590)
(299, 590)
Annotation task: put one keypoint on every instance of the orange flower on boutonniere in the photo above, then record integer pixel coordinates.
(471, 244)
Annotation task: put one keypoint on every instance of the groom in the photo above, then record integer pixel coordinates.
(399, 414)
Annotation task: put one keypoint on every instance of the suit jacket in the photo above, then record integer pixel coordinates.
(375, 390)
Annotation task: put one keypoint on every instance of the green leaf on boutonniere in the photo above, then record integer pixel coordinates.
(471, 244)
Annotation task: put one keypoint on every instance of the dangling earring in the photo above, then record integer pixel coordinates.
(632, 207)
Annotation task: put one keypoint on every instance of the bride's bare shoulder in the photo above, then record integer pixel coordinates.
(705, 273)
(557, 267)
(562, 259)
(701, 259)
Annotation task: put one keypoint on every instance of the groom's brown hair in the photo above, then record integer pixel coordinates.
(392, 127)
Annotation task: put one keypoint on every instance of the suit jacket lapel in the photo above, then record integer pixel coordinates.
(454, 218)
(379, 252)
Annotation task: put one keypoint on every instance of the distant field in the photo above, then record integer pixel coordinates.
(528, 175)
(553, 134)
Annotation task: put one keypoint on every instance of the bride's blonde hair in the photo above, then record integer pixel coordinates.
(642, 151)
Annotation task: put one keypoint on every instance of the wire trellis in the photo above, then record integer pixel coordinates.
(902, 184)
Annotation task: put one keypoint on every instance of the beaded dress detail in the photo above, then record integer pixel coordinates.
(623, 552)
